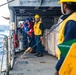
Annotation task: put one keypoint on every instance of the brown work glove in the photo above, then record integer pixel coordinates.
(41, 38)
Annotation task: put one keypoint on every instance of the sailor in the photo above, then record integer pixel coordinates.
(26, 29)
(67, 27)
(31, 37)
(38, 32)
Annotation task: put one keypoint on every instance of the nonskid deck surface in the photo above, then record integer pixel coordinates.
(33, 65)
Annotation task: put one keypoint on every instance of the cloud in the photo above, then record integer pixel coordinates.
(3, 21)
(4, 11)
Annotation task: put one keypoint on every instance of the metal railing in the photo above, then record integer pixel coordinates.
(9, 57)
(1, 63)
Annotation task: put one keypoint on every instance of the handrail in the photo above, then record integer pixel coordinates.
(5, 46)
(2, 60)
(7, 58)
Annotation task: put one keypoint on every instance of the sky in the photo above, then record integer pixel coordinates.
(4, 11)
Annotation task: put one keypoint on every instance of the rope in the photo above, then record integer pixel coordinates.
(51, 29)
(6, 3)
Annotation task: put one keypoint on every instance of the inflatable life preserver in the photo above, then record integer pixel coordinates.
(26, 29)
(15, 41)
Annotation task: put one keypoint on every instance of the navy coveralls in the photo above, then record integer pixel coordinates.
(69, 34)
(39, 45)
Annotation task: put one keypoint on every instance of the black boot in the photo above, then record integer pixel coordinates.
(36, 54)
(33, 51)
(40, 55)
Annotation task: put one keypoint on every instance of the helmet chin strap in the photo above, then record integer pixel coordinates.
(62, 10)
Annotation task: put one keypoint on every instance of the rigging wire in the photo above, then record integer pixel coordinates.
(6, 3)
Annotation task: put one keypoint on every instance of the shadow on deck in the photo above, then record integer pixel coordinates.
(33, 65)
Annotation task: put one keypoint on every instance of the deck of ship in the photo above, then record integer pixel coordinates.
(33, 65)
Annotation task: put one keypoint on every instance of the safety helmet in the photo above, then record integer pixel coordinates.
(31, 19)
(27, 19)
(66, 1)
(37, 16)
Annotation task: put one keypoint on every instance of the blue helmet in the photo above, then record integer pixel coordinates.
(31, 19)
(27, 19)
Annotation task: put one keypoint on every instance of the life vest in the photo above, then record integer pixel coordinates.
(62, 27)
(31, 29)
(37, 30)
(26, 29)
(30, 32)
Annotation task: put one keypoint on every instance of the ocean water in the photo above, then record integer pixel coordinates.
(4, 31)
